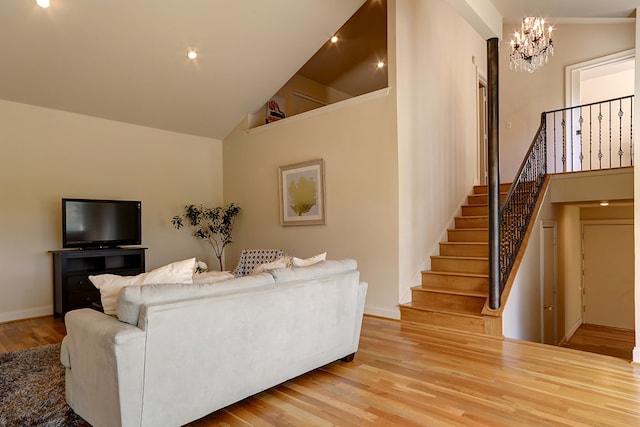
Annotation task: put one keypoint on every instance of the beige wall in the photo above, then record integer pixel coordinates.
(391, 193)
(439, 57)
(356, 139)
(524, 96)
(49, 154)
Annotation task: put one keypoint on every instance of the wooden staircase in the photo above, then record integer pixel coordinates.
(454, 292)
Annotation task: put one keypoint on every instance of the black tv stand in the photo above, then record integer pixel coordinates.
(72, 288)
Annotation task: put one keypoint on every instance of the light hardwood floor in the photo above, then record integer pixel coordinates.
(603, 340)
(413, 375)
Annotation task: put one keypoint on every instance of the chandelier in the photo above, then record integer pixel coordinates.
(530, 48)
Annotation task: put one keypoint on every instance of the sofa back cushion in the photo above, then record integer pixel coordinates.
(132, 297)
(315, 271)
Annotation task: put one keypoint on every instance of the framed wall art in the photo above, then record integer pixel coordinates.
(301, 188)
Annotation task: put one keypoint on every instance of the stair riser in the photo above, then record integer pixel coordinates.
(435, 300)
(464, 235)
(453, 249)
(483, 189)
(460, 265)
(482, 199)
(475, 210)
(472, 222)
(443, 280)
(443, 319)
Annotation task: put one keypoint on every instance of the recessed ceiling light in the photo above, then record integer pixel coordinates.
(192, 54)
(334, 39)
(604, 203)
(380, 64)
(43, 3)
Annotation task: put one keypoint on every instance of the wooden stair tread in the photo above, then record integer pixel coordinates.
(464, 243)
(452, 273)
(468, 229)
(473, 258)
(486, 194)
(449, 311)
(464, 292)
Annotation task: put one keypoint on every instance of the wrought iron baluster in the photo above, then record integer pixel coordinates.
(554, 142)
(600, 136)
(620, 152)
(610, 137)
(571, 142)
(590, 137)
(564, 141)
(581, 156)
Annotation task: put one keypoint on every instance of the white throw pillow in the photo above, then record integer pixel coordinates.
(279, 263)
(110, 284)
(176, 272)
(297, 262)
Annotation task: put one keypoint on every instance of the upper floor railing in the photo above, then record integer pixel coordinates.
(591, 136)
(586, 137)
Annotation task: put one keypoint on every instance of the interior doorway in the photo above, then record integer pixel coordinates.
(600, 79)
(483, 137)
(597, 80)
(608, 274)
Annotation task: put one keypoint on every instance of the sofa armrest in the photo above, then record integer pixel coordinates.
(104, 360)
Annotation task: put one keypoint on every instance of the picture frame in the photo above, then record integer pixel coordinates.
(302, 193)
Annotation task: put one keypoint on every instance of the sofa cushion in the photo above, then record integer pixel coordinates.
(132, 297)
(318, 270)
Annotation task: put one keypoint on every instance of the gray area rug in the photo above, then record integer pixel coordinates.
(32, 389)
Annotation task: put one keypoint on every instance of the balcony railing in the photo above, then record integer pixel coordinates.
(591, 136)
(586, 137)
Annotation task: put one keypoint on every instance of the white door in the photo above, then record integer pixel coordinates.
(549, 285)
(608, 267)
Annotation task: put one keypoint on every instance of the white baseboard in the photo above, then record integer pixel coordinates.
(636, 355)
(9, 316)
(391, 313)
(570, 332)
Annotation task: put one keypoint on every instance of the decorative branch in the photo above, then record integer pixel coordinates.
(211, 224)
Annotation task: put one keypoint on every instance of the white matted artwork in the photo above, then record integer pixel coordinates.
(302, 193)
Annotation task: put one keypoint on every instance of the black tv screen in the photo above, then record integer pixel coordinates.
(90, 223)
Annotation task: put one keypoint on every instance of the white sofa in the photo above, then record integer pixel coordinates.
(179, 352)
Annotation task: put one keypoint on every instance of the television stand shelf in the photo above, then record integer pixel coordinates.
(72, 288)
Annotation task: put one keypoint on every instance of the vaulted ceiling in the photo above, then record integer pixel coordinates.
(126, 60)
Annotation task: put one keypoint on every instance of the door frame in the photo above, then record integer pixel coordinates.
(555, 308)
(483, 136)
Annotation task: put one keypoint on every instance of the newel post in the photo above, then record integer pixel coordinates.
(493, 155)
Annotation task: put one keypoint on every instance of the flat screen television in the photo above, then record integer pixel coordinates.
(93, 224)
